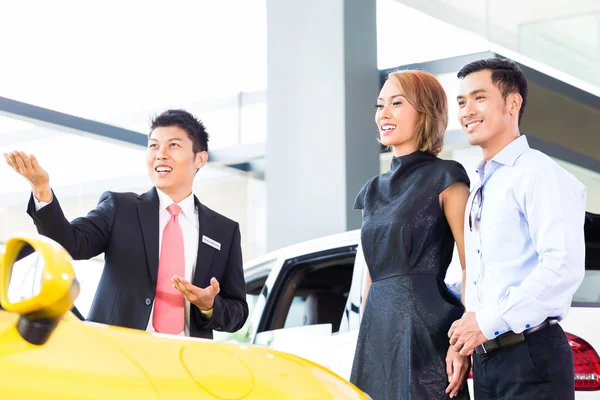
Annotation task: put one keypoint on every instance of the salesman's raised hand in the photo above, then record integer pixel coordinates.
(204, 299)
(28, 167)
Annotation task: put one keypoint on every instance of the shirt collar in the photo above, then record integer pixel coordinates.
(509, 154)
(188, 206)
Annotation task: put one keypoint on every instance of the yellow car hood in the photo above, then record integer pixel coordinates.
(88, 360)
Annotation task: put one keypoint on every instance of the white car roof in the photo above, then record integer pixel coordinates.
(310, 246)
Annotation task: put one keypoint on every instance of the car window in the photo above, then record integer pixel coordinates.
(588, 294)
(253, 289)
(312, 290)
(351, 318)
(296, 315)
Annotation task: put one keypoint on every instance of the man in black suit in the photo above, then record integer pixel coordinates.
(133, 230)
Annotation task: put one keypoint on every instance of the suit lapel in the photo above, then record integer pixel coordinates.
(209, 227)
(148, 213)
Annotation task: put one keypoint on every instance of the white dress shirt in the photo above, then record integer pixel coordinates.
(190, 227)
(525, 253)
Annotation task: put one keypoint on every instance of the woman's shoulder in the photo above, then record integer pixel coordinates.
(446, 163)
(371, 182)
(450, 166)
(360, 201)
(449, 172)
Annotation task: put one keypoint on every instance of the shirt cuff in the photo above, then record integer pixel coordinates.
(40, 204)
(207, 313)
(490, 324)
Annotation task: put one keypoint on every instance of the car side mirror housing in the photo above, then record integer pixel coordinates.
(37, 281)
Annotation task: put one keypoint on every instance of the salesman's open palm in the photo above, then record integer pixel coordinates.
(28, 167)
(204, 299)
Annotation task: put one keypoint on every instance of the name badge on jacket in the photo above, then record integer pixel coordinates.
(211, 243)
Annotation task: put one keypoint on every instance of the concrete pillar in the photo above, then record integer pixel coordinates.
(322, 85)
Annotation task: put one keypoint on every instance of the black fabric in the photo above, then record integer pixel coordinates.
(124, 226)
(539, 368)
(408, 246)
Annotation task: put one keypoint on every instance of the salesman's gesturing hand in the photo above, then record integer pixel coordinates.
(28, 167)
(204, 299)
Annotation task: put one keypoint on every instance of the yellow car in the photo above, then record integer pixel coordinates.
(47, 353)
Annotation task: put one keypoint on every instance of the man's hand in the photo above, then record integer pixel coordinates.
(457, 368)
(465, 334)
(204, 299)
(28, 167)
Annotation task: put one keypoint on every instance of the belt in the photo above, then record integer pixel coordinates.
(510, 338)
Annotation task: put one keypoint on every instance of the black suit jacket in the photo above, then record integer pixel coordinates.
(124, 226)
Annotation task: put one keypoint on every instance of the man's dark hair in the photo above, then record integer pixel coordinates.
(506, 76)
(186, 121)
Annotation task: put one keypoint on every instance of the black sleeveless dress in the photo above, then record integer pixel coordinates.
(408, 245)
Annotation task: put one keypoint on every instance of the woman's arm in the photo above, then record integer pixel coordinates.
(453, 202)
(366, 290)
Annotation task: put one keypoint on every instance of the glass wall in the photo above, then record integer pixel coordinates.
(561, 36)
(569, 43)
(406, 35)
(120, 62)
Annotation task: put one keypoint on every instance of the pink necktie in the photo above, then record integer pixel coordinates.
(168, 305)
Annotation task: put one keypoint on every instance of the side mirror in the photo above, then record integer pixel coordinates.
(37, 281)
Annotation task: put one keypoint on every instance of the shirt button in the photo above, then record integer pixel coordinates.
(477, 170)
(527, 326)
(148, 301)
(478, 251)
(496, 333)
(478, 219)
(474, 282)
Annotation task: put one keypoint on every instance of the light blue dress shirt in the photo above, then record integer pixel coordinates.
(525, 253)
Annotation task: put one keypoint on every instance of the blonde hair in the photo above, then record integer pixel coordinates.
(425, 93)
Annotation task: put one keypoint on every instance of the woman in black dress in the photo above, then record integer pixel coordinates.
(412, 216)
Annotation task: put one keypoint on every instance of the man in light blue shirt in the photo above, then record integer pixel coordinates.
(524, 246)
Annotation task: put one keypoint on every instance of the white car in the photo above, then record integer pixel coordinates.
(306, 300)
